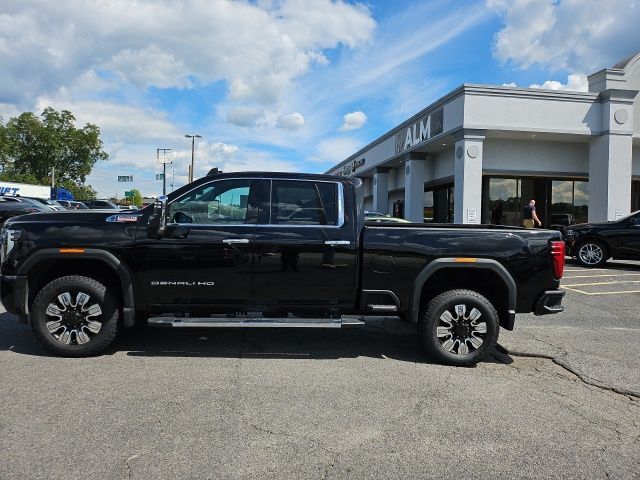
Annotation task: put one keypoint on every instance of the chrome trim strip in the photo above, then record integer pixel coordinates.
(246, 322)
(386, 308)
(383, 292)
(235, 240)
(337, 242)
(340, 205)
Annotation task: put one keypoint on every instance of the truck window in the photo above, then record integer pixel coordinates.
(229, 202)
(303, 203)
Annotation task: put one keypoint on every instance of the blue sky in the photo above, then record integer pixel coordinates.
(293, 85)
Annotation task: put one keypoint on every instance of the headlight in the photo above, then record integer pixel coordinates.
(9, 238)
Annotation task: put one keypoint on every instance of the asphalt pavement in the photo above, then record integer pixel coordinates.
(351, 403)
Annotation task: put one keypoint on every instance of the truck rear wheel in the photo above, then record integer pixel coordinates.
(459, 327)
(75, 316)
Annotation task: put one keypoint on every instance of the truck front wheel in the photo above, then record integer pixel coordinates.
(459, 327)
(75, 316)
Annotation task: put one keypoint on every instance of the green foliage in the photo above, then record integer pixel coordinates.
(18, 178)
(31, 146)
(137, 198)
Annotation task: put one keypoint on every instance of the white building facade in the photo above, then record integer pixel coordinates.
(480, 153)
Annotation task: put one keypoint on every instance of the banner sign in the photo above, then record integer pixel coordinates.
(159, 176)
(125, 178)
(428, 126)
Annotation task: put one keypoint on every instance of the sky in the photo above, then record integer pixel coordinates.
(282, 85)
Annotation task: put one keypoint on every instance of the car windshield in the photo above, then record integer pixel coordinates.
(635, 214)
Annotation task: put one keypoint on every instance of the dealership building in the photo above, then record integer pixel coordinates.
(481, 152)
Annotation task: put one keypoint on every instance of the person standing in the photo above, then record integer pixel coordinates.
(530, 218)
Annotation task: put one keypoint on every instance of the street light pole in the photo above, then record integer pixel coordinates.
(193, 152)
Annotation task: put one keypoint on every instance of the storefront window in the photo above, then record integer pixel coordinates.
(428, 206)
(558, 202)
(438, 204)
(504, 202)
(581, 201)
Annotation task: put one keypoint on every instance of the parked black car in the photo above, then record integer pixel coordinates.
(594, 243)
(101, 204)
(72, 204)
(272, 250)
(12, 208)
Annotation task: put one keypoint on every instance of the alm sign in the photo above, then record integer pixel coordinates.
(428, 126)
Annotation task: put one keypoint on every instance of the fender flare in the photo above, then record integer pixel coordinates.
(480, 263)
(121, 269)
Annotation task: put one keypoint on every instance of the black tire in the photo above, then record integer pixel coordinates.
(76, 316)
(468, 332)
(591, 253)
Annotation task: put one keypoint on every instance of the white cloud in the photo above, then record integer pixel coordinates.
(256, 48)
(576, 83)
(334, 150)
(353, 121)
(117, 122)
(246, 116)
(510, 84)
(292, 121)
(578, 35)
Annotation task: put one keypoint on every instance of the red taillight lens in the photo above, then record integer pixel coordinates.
(557, 257)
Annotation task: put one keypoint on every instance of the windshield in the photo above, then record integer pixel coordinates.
(635, 214)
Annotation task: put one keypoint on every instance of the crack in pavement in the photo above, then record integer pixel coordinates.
(631, 395)
(127, 467)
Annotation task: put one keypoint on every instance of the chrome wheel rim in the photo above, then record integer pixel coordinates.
(460, 331)
(73, 321)
(591, 253)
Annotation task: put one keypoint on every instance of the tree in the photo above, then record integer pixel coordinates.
(137, 198)
(31, 146)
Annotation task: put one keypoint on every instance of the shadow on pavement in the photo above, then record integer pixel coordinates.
(383, 339)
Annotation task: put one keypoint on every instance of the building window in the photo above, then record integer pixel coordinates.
(438, 204)
(428, 206)
(504, 201)
(558, 202)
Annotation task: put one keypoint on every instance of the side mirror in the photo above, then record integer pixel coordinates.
(158, 220)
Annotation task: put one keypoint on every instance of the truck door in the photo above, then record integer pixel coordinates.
(305, 249)
(204, 256)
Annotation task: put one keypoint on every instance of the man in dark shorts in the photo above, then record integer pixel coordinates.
(529, 215)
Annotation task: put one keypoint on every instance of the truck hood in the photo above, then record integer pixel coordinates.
(75, 217)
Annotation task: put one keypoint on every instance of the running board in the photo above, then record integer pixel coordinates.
(252, 322)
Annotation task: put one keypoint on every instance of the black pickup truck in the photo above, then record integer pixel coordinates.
(272, 250)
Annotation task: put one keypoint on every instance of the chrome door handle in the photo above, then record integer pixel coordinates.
(230, 241)
(337, 242)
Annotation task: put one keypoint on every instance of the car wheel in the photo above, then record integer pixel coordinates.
(591, 253)
(459, 327)
(75, 316)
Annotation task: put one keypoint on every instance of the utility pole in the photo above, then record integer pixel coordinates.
(53, 177)
(193, 152)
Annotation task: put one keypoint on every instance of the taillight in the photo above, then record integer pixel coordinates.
(557, 258)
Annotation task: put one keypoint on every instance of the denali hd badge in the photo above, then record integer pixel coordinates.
(157, 283)
(122, 218)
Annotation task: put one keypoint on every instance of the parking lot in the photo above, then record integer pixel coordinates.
(562, 402)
